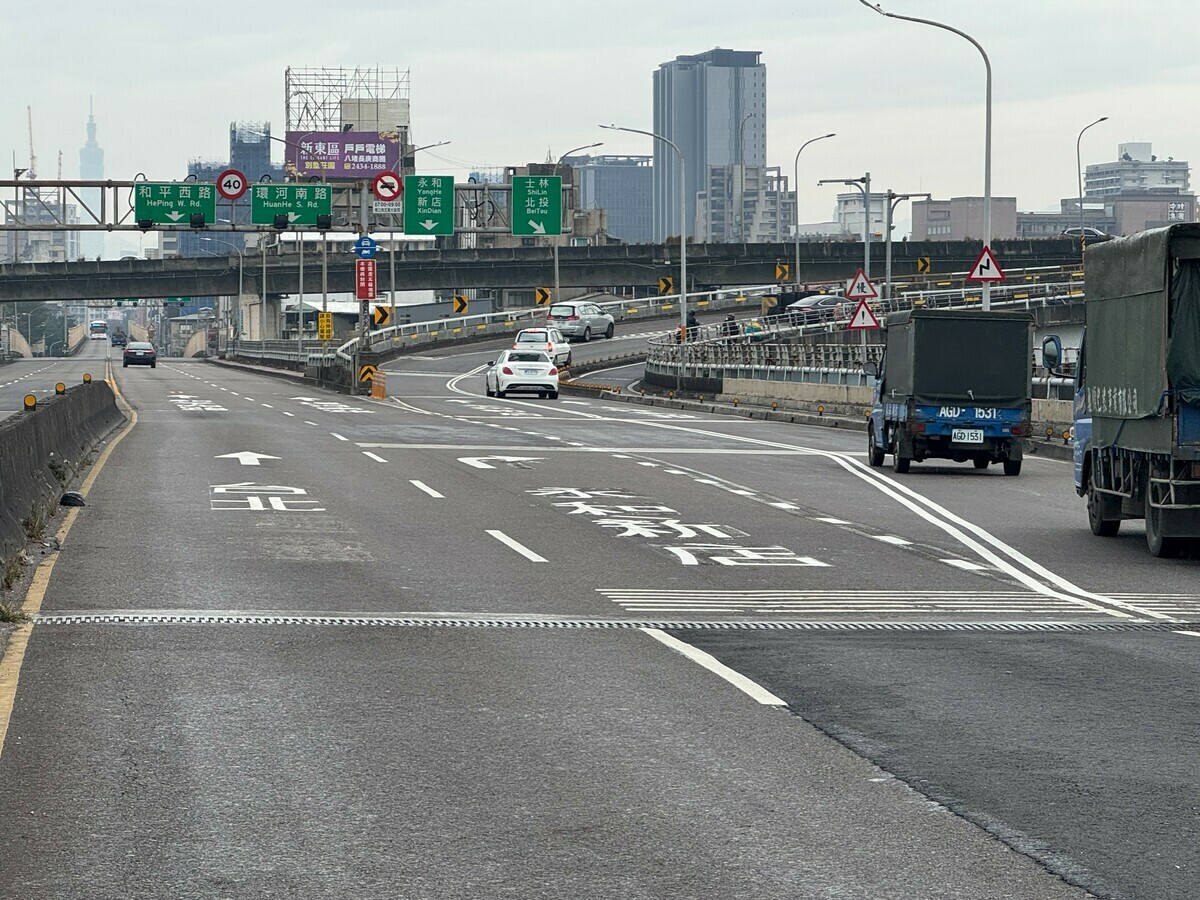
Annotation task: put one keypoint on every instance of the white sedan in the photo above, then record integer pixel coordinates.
(522, 371)
(549, 340)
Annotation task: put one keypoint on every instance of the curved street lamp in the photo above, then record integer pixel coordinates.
(1079, 176)
(682, 217)
(796, 176)
(987, 132)
(554, 246)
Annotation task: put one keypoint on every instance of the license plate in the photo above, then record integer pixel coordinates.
(529, 372)
(967, 435)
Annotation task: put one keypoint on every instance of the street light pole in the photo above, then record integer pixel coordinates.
(682, 217)
(741, 209)
(893, 199)
(1079, 177)
(987, 128)
(555, 244)
(796, 182)
(241, 274)
(392, 241)
(864, 185)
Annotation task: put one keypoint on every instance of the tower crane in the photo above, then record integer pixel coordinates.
(32, 172)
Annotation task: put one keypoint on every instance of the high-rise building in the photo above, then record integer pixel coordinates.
(1135, 171)
(745, 204)
(713, 107)
(250, 154)
(91, 168)
(622, 186)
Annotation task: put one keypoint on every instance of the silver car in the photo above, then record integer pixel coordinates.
(580, 319)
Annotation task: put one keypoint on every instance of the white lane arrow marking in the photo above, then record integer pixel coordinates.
(477, 462)
(247, 457)
(538, 227)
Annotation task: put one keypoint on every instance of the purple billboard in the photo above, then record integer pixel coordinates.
(340, 154)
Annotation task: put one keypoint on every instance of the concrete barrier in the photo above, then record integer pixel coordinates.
(41, 451)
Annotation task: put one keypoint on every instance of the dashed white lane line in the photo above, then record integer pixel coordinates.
(831, 520)
(892, 539)
(338, 436)
(306, 422)
(965, 564)
(293, 415)
(376, 457)
(268, 406)
(782, 505)
(515, 545)
(738, 680)
(1189, 633)
(422, 486)
(249, 399)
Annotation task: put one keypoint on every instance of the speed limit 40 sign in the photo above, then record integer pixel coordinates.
(231, 184)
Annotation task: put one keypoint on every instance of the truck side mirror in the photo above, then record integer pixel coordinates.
(1052, 352)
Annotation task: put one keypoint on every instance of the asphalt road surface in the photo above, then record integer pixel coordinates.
(448, 646)
(38, 376)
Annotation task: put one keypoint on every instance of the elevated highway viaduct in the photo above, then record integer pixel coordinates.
(637, 266)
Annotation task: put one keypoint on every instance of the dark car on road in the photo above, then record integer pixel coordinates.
(139, 353)
(813, 308)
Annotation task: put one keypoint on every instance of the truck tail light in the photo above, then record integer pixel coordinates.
(915, 426)
(1021, 429)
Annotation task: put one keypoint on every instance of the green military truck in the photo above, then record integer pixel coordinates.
(1137, 387)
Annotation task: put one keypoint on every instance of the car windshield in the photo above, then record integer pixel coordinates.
(528, 357)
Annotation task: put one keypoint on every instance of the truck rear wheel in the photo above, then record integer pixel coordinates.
(900, 462)
(1156, 543)
(1012, 467)
(874, 454)
(1099, 508)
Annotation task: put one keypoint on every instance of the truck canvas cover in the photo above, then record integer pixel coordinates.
(1126, 293)
(938, 356)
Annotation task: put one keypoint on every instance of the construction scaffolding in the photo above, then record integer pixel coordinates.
(366, 99)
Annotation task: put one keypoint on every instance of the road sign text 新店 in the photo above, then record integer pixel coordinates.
(428, 204)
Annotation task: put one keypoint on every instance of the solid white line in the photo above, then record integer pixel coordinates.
(1189, 633)
(738, 680)
(516, 545)
(422, 486)
(373, 456)
(338, 436)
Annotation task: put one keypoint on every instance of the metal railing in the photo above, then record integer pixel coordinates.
(768, 349)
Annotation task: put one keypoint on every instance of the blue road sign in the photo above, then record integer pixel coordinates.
(365, 247)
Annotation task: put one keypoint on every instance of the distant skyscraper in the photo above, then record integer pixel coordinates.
(91, 168)
(713, 106)
(622, 186)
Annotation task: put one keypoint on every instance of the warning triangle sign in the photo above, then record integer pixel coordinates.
(861, 288)
(863, 318)
(986, 268)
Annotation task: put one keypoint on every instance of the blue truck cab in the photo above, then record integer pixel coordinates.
(952, 384)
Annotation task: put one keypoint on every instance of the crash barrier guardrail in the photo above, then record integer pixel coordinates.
(503, 322)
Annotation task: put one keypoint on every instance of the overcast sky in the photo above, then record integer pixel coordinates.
(511, 81)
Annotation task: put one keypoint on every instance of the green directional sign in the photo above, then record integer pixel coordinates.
(537, 204)
(175, 203)
(301, 203)
(429, 204)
